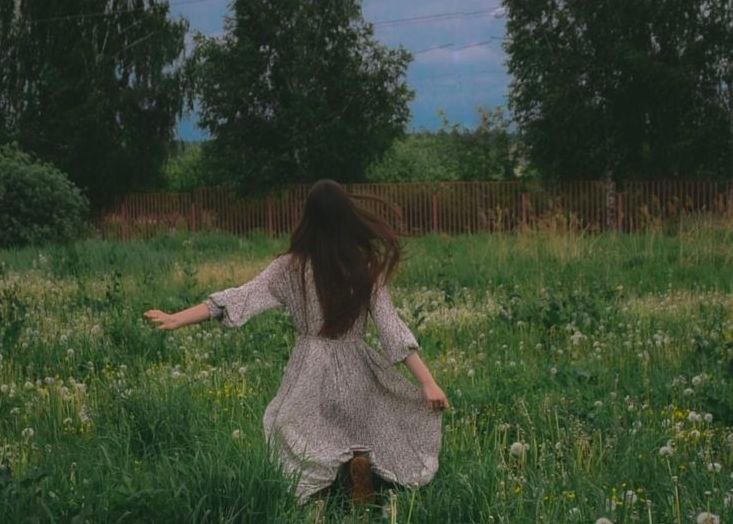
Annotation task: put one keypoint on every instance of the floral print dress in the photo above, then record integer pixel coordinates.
(338, 396)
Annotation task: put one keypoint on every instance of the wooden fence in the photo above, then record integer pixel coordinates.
(441, 207)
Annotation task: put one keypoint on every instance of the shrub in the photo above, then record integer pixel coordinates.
(38, 203)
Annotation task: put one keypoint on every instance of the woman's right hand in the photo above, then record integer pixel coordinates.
(163, 320)
(434, 396)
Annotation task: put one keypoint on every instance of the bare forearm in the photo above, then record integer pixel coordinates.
(418, 368)
(192, 315)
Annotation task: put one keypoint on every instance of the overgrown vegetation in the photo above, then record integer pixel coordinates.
(589, 377)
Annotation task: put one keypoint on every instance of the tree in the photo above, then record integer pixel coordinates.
(487, 152)
(631, 87)
(297, 91)
(38, 203)
(93, 86)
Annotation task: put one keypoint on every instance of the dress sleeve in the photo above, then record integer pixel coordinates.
(395, 337)
(235, 305)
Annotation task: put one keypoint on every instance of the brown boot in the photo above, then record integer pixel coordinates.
(362, 480)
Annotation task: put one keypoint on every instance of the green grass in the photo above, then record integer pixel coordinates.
(592, 350)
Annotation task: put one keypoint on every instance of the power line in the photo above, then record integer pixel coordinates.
(434, 17)
(111, 13)
(477, 44)
(428, 49)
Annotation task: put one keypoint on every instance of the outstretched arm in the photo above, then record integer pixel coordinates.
(232, 306)
(434, 396)
(192, 315)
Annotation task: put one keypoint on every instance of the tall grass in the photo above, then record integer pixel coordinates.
(608, 356)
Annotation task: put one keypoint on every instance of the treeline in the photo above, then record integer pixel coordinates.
(296, 91)
(488, 151)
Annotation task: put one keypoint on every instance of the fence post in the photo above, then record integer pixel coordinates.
(435, 212)
(524, 198)
(270, 221)
(192, 214)
(125, 219)
(611, 222)
(620, 210)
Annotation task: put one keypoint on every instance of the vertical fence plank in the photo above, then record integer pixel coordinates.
(425, 207)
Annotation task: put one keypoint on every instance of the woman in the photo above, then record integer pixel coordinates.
(340, 404)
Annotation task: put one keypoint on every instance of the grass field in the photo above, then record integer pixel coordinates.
(589, 377)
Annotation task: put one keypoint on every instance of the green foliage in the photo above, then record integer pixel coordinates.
(185, 171)
(419, 157)
(488, 152)
(297, 91)
(98, 96)
(637, 88)
(593, 350)
(38, 203)
(12, 316)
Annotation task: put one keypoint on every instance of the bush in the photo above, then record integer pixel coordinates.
(38, 203)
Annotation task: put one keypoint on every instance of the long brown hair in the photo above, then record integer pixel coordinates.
(349, 248)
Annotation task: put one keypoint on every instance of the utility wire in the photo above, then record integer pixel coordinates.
(394, 22)
(430, 18)
(428, 49)
(112, 13)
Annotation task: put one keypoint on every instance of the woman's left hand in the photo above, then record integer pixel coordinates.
(434, 396)
(163, 320)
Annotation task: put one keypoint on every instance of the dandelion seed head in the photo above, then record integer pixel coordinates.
(666, 451)
(707, 518)
(518, 449)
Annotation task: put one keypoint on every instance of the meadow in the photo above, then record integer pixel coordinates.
(589, 376)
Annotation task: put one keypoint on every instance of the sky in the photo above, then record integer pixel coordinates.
(458, 63)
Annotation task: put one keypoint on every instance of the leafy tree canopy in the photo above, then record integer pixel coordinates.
(92, 86)
(297, 91)
(637, 88)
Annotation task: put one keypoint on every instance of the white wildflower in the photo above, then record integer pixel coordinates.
(708, 417)
(715, 467)
(518, 449)
(707, 518)
(577, 337)
(28, 433)
(237, 434)
(64, 393)
(666, 451)
(604, 520)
